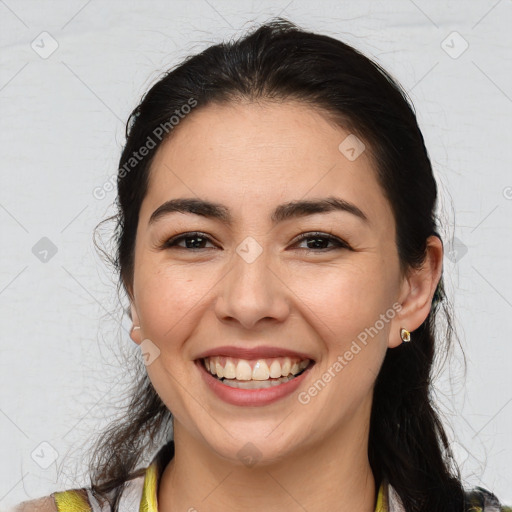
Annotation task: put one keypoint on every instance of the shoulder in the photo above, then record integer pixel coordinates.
(479, 499)
(72, 500)
(142, 485)
(44, 504)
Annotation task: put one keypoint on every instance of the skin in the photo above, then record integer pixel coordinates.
(252, 157)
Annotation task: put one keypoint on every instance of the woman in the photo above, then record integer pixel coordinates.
(278, 244)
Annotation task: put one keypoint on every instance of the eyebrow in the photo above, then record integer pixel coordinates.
(285, 211)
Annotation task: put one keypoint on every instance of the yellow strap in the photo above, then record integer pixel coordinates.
(74, 500)
(381, 502)
(149, 502)
(71, 501)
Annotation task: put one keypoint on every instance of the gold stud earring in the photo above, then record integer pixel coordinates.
(405, 335)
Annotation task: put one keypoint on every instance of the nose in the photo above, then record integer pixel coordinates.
(252, 292)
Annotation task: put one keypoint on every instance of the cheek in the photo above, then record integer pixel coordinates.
(342, 301)
(168, 297)
(344, 309)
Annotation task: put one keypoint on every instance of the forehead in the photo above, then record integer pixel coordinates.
(256, 155)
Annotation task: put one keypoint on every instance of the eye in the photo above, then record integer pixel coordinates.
(318, 241)
(194, 241)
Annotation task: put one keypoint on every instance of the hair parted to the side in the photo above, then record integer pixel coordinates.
(277, 62)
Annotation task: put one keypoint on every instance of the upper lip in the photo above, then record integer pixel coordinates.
(262, 352)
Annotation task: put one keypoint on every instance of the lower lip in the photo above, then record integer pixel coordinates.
(250, 397)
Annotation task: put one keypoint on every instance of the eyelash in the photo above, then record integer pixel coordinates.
(341, 244)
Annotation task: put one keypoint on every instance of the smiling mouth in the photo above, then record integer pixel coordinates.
(255, 374)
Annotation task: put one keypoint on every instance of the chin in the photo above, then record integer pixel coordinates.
(251, 444)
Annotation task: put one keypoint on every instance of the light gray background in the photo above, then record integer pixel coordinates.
(62, 124)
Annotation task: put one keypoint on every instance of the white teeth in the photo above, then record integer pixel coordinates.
(260, 371)
(286, 367)
(275, 370)
(242, 370)
(230, 370)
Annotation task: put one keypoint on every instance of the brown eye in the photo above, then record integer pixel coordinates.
(319, 242)
(194, 241)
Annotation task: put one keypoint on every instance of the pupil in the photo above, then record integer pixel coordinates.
(317, 242)
(191, 245)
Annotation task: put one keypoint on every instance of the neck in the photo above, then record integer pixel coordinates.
(335, 474)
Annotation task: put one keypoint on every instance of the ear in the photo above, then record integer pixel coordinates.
(135, 333)
(417, 292)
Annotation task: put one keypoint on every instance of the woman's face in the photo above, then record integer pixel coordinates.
(251, 295)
